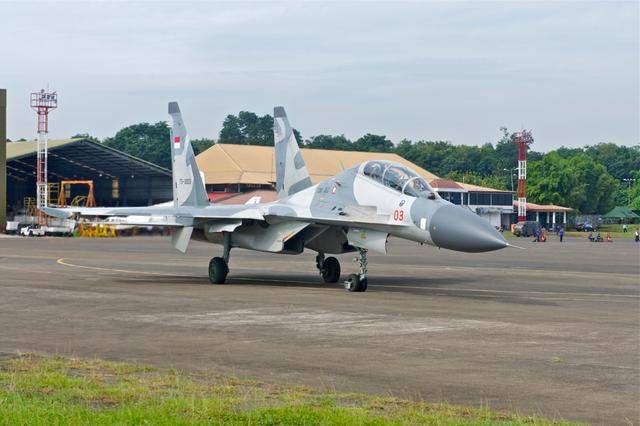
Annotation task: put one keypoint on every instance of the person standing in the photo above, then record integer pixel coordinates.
(637, 236)
(624, 228)
(561, 233)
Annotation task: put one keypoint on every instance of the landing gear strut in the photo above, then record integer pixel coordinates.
(329, 268)
(219, 266)
(358, 282)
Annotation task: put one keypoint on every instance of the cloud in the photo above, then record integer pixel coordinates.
(455, 71)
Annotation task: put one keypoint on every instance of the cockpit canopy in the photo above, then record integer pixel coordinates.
(398, 177)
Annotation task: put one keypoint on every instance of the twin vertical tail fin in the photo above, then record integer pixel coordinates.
(188, 187)
(291, 172)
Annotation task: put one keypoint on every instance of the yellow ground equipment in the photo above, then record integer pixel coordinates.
(86, 201)
(96, 230)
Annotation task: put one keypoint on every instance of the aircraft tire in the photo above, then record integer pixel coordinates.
(364, 284)
(330, 270)
(355, 284)
(218, 270)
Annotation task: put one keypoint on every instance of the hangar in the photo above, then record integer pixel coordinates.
(238, 173)
(118, 179)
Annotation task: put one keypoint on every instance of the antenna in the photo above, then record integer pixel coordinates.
(42, 102)
(522, 139)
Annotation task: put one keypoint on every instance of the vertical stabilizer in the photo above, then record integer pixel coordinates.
(291, 172)
(188, 187)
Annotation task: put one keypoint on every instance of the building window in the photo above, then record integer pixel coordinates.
(501, 199)
(452, 197)
(480, 199)
(115, 188)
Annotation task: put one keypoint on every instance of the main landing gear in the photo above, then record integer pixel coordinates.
(358, 282)
(329, 268)
(219, 266)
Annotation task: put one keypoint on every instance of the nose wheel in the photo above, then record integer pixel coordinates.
(329, 268)
(358, 282)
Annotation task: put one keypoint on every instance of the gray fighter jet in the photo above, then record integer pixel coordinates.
(355, 211)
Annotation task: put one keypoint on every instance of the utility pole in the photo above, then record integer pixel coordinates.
(629, 181)
(511, 175)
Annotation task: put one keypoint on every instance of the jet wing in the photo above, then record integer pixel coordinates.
(351, 217)
(162, 215)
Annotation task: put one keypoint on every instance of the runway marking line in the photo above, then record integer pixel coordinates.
(62, 261)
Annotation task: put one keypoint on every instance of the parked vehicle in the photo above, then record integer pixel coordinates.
(13, 227)
(32, 231)
(526, 229)
(585, 227)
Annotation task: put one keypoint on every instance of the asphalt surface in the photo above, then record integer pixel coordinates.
(552, 330)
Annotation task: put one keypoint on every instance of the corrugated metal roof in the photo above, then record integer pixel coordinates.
(544, 207)
(252, 164)
(17, 150)
(82, 153)
(444, 184)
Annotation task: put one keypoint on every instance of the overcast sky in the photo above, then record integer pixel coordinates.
(420, 70)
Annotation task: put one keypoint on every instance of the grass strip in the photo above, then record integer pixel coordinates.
(40, 390)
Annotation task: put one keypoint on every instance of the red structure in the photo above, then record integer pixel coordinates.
(42, 102)
(522, 139)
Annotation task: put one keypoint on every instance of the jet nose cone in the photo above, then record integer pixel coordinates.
(457, 228)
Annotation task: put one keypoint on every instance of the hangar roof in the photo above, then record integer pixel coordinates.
(78, 154)
(252, 164)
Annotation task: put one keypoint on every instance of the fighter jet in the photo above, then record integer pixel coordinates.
(356, 210)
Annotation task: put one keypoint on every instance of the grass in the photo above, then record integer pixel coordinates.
(37, 390)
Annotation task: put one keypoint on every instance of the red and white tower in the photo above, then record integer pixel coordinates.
(42, 102)
(522, 139)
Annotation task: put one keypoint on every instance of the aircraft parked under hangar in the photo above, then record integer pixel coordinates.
(354, 211)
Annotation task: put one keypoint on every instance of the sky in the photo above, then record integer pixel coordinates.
(455, 71)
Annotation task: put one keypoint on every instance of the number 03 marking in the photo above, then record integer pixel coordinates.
(398, 215)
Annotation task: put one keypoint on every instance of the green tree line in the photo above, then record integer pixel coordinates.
(590, 179)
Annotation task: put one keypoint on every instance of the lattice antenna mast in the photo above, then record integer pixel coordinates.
(522, 139)
(42, 102)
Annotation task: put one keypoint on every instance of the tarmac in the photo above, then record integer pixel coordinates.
(552, 330)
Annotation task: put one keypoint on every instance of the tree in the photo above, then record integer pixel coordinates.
(149, 142)
(619, 160)
(329, 142)
(85, 136)
(231, 131)
(576, 182)
(373, 143)
(247, 128)
(634, 195)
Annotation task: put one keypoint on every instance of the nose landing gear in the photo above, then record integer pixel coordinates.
(358, 282)
(329, 268)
